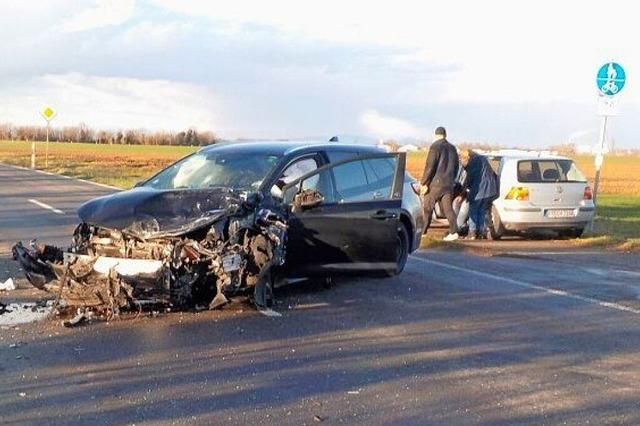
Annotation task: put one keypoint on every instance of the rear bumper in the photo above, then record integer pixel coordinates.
(521, 218)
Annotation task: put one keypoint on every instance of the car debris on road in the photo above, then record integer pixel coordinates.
(8, 285)
(177, 249)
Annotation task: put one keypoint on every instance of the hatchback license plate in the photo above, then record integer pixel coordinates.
(556, 214)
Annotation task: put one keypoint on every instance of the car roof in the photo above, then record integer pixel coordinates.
(525, 155)
(282, 148)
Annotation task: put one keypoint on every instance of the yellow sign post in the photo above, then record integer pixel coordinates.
(48, 114)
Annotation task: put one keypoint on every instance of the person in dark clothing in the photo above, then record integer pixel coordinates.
(482, 185)
(438, 181)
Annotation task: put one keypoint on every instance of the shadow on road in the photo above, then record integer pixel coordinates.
(413, 348)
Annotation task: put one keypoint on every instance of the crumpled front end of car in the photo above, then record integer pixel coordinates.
(209, 258)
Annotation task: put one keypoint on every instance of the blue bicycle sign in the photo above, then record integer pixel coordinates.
(611, 79)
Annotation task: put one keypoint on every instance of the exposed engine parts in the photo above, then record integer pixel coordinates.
(205, 261)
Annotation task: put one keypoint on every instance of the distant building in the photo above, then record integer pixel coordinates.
(384, 146)
(408, 148)
(584, 149)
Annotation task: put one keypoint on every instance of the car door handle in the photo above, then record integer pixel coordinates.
(383, 215)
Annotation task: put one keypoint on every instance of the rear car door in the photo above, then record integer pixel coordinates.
(345, 216)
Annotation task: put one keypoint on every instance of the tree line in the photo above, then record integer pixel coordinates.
(84, 133)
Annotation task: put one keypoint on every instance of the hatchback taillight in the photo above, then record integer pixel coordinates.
(416, 187)
(519, 193)
(588, 194)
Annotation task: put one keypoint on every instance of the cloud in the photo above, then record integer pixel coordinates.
(288, 68)
(384, 126)
(102, 14)
(112, 102)
(496, 49)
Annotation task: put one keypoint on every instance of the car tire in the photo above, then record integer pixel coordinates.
(572, 233)
(263, 293)
(402, 251)
(496, 228)
(326, 282)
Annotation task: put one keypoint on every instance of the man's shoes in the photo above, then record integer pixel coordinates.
(451, 237)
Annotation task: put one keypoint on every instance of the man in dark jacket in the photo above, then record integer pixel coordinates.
(482, 183)
(438, 181)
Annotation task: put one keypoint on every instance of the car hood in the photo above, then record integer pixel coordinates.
(151, 213)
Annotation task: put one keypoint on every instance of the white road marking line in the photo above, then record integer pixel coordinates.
(311, 305)
(606, 273)
(103, 185)
(524, 284)
(45, 206)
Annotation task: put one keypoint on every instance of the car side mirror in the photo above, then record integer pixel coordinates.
(307, 199)
(276, 190)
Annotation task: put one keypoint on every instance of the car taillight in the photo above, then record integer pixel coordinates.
(519, 193)
(588, 194)
(416, 187)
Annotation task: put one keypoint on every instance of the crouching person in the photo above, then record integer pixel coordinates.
(482, 185)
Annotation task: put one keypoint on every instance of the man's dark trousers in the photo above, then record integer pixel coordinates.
(445, 195)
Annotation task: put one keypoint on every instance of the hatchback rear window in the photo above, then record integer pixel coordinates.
(542, 171)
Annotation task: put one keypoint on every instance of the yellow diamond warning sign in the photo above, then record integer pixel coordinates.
(48, 113)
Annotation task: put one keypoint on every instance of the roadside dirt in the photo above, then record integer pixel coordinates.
(523, 244)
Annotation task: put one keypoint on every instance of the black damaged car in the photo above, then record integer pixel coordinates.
(237, 218)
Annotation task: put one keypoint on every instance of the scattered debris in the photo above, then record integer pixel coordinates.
(8, 285)
(80, 318)
(318, 419)
(22, 313)
(183, 250)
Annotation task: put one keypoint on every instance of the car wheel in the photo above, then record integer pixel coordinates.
(572, 233)
(496, 228)
(402, 250)
(326, 282)
(263, 293)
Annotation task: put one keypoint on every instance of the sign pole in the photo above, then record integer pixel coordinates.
(600, 156)
(610, 80)
(48, 114)
(46, 155)
(33, 155)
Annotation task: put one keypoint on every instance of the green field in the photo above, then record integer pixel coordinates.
(618, 219)
(117, 165)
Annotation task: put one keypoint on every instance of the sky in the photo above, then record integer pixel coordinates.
(515, 73)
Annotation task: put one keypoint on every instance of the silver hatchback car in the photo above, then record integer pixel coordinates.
(539, 191)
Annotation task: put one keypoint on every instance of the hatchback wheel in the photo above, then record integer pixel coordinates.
(572, 233)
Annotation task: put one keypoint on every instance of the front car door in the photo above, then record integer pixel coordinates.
(345, 216)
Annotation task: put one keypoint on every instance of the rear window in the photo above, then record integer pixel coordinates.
(542, 171)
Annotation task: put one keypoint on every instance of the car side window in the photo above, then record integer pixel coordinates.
(350, 181)
(335, 156)
(365, 180)
(299, 168)
(355, 181)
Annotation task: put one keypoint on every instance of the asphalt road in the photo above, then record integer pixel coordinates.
(520, 338)
(23, 197)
